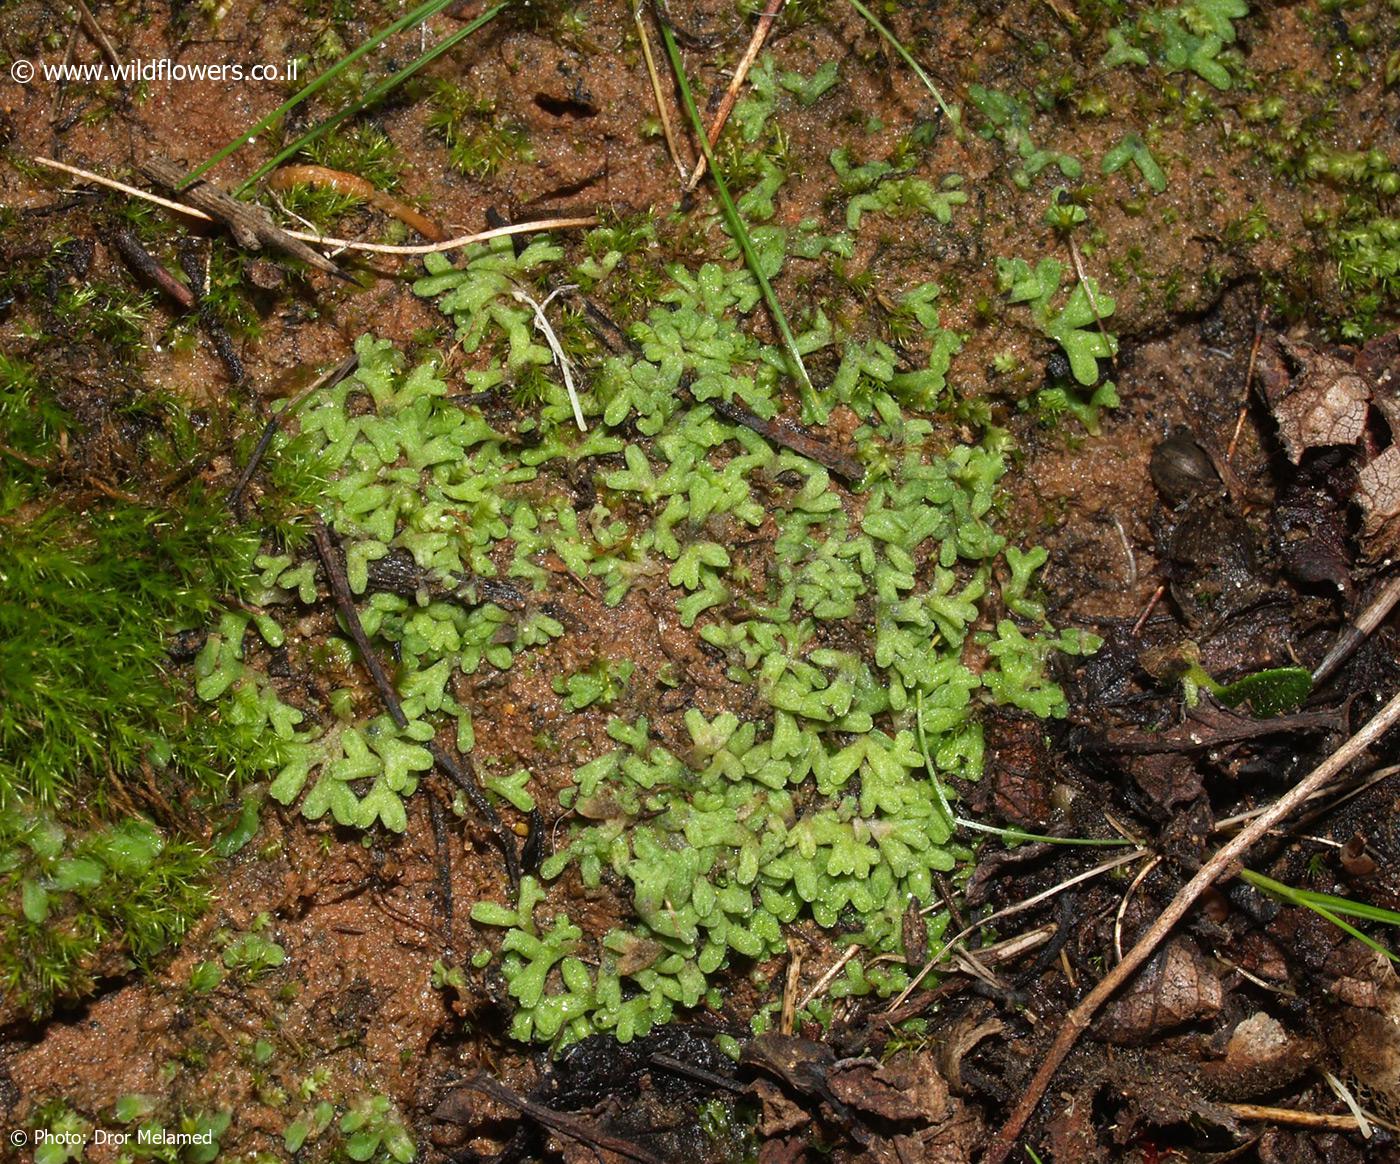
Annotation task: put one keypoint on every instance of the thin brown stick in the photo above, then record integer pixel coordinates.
(1225, 824)
(327, 379)
(731, 95)
(790, 986)
(450, 244)
(1248, 379)
(671, 145)
(143, 264)
(559, 1122)
(251, 225)
(788, 434)
(94, 30)
(1148, 609)
(1222, 863)
(25, 458)
(460, 774)
(1352, 636)
(1287, 1115)
(1008, 911)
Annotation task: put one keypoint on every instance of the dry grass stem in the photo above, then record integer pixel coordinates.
(731, 95)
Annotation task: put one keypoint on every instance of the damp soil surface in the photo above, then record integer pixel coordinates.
(1224, 517)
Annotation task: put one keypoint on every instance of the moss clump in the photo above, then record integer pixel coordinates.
(479, 141)
(97, 743)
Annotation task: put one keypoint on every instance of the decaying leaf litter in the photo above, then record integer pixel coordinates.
(687, 653)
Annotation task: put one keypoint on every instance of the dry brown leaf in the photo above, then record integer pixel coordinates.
(907, 1088)
(1324, 403)
(959, 1038)
(1175, 987)
(1262, 1056)
(780, 1114)
(1379, 362)
(1378, 494)
(1158, 1090)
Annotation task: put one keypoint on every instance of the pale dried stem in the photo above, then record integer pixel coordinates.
(450, 244)
(731, 95)
(1018, 907)
(662, 110)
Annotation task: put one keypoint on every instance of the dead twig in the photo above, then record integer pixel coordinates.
(1197, 735)
(1018, 907)
(94, 30)
(1324, 1121)
(252, 227)
(1352, 636)
(557, 1121)
(671, 146)
(731, 95)
(1225, 824)
(113, 184)
(790, 435)
(326, 380)
(346, 244)
(1248, 380)
(1227, 857)
(195, 261)
(144, 265)
(460, 774)
(791, 983)
(450, 244)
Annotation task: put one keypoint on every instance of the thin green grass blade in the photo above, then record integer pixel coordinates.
(385, 87)
(1342, 905)
(811, 410)
(1331, 908)
(423, 12)
(952, 113)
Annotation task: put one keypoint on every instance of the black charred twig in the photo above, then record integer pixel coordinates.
(791, 435)
(194, 263)
(1197, 735)
(327, 379)
(144, 265)
(460, 774)
(787, 434)
(250, 225)
(444, 871)
(693, 1071)
(558, 1122)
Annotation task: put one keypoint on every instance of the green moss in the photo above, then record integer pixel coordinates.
(361, 149)
(479, 141)
(95, 730)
